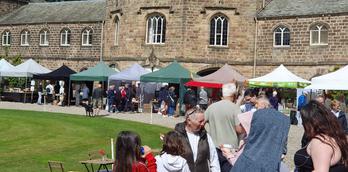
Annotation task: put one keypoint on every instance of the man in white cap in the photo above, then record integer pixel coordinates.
(222, 122)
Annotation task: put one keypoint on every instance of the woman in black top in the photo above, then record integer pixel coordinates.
(327, 149)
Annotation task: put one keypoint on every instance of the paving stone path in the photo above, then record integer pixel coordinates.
(139, 117)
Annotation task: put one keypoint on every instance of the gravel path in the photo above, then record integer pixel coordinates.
(294, 139)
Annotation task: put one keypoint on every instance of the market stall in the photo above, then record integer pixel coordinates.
(225, 74)
(337, 80)
(285, 80)
(133, 73)
(280, 77)
(99, 72)
(61, 74)
(174, 73)
(25, 70)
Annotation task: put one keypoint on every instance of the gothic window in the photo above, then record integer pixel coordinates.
(156, 29)
(44, 37)
(6, 38)
(318, 35)
(25, 36)
(218, 30)
(281, 37)
(117, 27)
(65, 36)
(87, 37)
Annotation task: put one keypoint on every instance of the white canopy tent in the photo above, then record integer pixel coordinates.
(279, 77)
(132, 73)
(5, 66)
(337, 80)
(26, 69)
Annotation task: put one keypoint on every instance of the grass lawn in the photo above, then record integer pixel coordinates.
(29, 139)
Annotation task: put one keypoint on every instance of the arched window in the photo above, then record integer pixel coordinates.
(219, 31)
(117, 26)
(44, 37)
(6, 38)
(25, 36)
(318, 34)
(65, 35)
(281, 37)
(156, 29)
(87, 37)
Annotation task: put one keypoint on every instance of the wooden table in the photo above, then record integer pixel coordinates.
(101, 162)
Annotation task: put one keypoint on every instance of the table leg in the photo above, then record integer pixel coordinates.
(86, 167)
(106, 167)
(92, 167)
(99, 167)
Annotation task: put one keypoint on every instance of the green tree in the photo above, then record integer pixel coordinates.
(14, 81)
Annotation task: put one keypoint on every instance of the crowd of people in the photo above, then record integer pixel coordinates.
(53, 92)
(251, 137)
(124, 98)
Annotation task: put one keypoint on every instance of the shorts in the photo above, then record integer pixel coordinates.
(97, 103)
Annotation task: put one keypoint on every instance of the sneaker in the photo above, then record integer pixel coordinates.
(165, 116)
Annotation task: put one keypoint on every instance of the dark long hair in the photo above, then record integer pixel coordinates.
(319, 121)
(173, 144)
(127, 151)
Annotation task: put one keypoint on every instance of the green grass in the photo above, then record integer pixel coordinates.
(29, 139)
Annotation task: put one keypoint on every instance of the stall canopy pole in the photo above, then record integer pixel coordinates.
(69, 92)
(26, 84)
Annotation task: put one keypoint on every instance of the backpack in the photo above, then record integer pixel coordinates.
(48, 90)
(301, 102)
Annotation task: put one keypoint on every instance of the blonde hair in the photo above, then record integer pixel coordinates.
(335, 103)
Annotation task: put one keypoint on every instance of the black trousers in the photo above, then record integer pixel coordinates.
(225, 166)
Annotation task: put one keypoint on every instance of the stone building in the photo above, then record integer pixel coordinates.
(255, 36)
(309, 37)
(55, 33)
(201, 34)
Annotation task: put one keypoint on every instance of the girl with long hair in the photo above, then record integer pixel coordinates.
(129, 156)
(170, 159)
(327, 149)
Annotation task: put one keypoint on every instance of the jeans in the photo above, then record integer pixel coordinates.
(111, 107)
(39, 101)
(171, 110)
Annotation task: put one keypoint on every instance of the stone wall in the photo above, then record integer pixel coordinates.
(55, 54)
(187, 34)
(305, 59)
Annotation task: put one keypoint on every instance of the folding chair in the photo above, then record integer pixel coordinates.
(57, 166)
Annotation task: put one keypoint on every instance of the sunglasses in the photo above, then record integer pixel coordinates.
(195, 109)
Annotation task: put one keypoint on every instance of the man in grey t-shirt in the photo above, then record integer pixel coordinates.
(222, 121)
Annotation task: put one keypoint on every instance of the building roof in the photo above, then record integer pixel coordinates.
(57, 12)
(291, 8)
